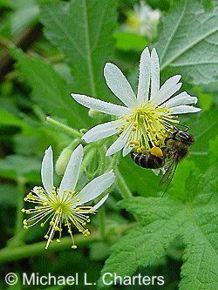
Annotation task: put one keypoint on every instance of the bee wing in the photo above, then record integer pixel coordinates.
(182, 127)
(168, 175)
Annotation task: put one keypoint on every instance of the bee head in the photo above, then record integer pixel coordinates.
(184, 137)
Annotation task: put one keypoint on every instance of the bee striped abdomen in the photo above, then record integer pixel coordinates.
(147, 160)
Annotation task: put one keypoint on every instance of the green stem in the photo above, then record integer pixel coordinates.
(122, 186)
(21, 252)
(13, 254)
(7, 43)
(68, 130)
(19, 220)
(101, 222)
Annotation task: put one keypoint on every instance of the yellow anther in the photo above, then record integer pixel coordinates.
(139, 150)
(86, 233)
(73, 247)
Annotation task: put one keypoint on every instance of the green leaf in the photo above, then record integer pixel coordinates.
(50, 90)
(189, 41)
(83, 31)
(8, 194)
(15, 166)
(129, 41)
(213, 145)
(164, 219)
(204, 127)
(8, 119)
(138, 179)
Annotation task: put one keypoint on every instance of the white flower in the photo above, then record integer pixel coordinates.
(65, 205)
(142, 20)
(145, 120)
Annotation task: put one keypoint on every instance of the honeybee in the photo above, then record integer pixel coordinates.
(176, 149)
(154, 159)
(167, 158)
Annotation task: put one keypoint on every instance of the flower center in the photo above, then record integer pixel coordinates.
(149, 126)
(62, 206)
(57, 211)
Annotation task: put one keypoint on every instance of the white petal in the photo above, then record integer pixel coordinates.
(144, 76)
(181, 99)
(96, 187)
(101, 106)
(126, 150)
(183, 109)
(119, 143)
(119, 85)
(169, 86)
(100, 203)
(101, 131)
(168, 94)
(47, 170)
(155, 74)
(72, 171)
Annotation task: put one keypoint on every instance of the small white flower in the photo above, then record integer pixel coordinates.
(145, 120)
(142, 20)
(65, 205)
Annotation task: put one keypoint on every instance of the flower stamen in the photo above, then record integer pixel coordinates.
(149, 126)
(58, 210)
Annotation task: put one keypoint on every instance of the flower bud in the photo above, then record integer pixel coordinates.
(93, 114)
(63, 159)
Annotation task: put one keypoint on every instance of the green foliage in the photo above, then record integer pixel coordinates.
(83, 31)
(15, 167)
(130, 41)
(162, 220)
(8, 195)
(49, 90)
(189, 40)
(8, 119)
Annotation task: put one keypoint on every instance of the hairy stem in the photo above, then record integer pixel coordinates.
(13, 254)
(122, 186)
(101, 222)
(19, 219)
(68, 130)
(16, 253)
